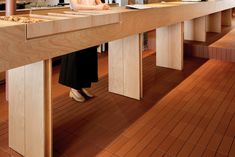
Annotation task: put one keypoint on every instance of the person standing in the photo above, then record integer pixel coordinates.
(79, 69)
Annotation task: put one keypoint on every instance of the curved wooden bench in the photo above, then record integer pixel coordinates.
(224, 48)
(195, 119)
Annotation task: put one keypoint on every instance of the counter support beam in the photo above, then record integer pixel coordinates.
(170, 46)
(195, 29)
(226, 17)
(125, 66)
(214, 22)
(30, 112)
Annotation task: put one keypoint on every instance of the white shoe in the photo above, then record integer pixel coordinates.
(76, 95)
(87, 93)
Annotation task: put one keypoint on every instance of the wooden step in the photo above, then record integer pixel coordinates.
(194, 119)
(224, 48)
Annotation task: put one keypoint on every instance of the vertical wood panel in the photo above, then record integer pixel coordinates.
(233, 55)
(195, 29)
(152, 40)
(213, 22)
(223, 55)
(125, 75)
(115, 66)
(229, 54)
(48, 109)
(226, 17)
(2, 76)
(170, 46)
(16, 109)
(162, 47)
(34, 110)
(132, 66)
(7, 92)
(30, 112)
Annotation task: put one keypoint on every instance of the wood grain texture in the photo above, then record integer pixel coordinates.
(224, 48)
(226, 17)
(125, 64)
(51, 10)
(152, 40)
(30, 113)
(2, 76)
(226, 41)
(213, 22)
(116, 66)
(201, 49)
(195, 29)
(59, 24)
(131, 23)
(16, 96)
(34, 110)
(184, 123)
(132, 51)
(47, 17)
(66, 15)
(48, 111)
(71, 116)
(170, 46)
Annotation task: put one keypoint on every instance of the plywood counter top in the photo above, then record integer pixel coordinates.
(27, 43)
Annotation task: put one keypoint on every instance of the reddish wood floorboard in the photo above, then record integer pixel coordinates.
(186, 126)
(171, 120)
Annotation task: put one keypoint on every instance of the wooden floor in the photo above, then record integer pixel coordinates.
(224, 48)
(196, 117)
(201, 49)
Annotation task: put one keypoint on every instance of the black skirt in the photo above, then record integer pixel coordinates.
(79, 69)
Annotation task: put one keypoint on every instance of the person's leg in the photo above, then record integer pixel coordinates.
(68, 75)
(91, 69)
(78, 71)
(76, 95)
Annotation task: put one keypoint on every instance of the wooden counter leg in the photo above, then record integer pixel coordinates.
(226, 17)
(195, 29)
(214, 22)
(30, 112)
(125, 66)
(170, 46)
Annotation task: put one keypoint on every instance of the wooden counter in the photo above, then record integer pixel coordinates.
(27, 50)
(132, 22)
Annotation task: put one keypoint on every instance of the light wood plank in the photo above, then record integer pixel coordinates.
(16, 89)
(132, 51)
(195, 29)
(213, 22)
(116, 66)
(34, 110)
(131, 22)
(170, 46)
(30, 114)
(74, 21)
(48, 17)
(57, 26)
(152, 40)
(125, 67)
(66, 15)
(226, 17)
(224, 48)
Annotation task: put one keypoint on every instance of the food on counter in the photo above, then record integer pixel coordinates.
(20, 19)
